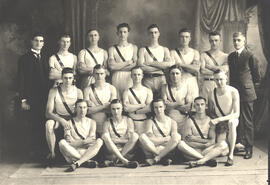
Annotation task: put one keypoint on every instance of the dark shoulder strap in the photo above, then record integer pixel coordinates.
(76, 130)
(212, 58)
(216, 100)
(92, 55)
(114, 130)
(171, 94)
(180, 55)
(59, 60)
(95, 94)
(64, 101)
(135, 96)
(197, 127)
(119, 53)
(160, 131)
(150, 53)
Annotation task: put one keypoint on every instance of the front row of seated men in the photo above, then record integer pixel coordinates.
(200, 138)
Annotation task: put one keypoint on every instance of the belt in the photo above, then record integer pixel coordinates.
(153, 75)
(209, 79)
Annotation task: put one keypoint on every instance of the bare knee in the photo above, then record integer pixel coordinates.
(232, 124)
(63, 143)
(134, 137)
(105, 137)
(176, 138)
(99, 142)
(143, 138)
(50, 126)
(223, 145)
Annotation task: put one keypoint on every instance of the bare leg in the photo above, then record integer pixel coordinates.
(50, 136)
(183, 147)
(232, 136)
(68, 151)
(130, 144)
(148, 144)
(112, 147)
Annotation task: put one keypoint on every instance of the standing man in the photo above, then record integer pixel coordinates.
(153, 59)
(211, 61)
(244, 76)
(33, 89)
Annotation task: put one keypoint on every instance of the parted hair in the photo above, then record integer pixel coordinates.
(67, 70)
(152, 26)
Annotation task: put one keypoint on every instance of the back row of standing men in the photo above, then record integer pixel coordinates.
(153, 60)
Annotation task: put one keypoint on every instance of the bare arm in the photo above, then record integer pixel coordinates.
(167, 62)
(174, 132)
(147, 107)
(81, 66)
(194, 67)
(92, 133)
(55, 72)
(154, 139)
(130, 107)
(143, 64)
(116, 66)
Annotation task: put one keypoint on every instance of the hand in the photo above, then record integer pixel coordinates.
(25, 106)
(214, 121)
(68, 138)
(130, 62)
(167, 138)
(65, 125)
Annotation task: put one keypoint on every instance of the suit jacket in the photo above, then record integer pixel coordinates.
(244, 73)
(33, 78)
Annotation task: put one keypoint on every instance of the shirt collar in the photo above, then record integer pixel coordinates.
(239, 51)
(35, 51)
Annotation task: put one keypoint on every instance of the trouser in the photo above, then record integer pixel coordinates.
(245, 129)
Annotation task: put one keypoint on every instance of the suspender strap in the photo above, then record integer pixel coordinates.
(171, 94)
(216, 100)
(197, 127)
(150, 53)
(212, 58)
(115, 132)
(160, 131)
(59, 61)
(135, 96)
(76, 130)
(64, 101)
(119, 53)
(95, 60)
(95, 94)
(180, 55)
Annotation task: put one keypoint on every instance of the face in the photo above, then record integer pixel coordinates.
(214, 41)
(64, 43)
(175, 75)
(99, 74)
(123, 33)
(81, 109)
(137, 75)
(116, 109)
(239, 42)
(199, 106)
(93, 36)
(159, 107)
(154, 33)
(37, 43)
(184, 38)
(220, 79)
(68, 79)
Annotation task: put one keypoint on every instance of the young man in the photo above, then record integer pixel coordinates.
(188, 59)
(98, 97)
(80, 144)
(177, 97)
(33, 87)
(122, 58)
(160, 135)
(244, 76)
(153, 59)
(119, 137)
(198, 133)
(60, 107)
(224, 107)
(62, 59)
(137, 100)
(211, 61)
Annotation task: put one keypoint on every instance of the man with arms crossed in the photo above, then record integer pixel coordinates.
(60, 107)
(80, 144)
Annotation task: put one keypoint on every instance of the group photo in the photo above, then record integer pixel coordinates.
(134, 92)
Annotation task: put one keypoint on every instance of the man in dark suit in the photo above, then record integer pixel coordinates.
(244, 76)
(33, 91)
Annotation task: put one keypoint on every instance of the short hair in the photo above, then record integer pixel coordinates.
(152, 104)
(175, 67)
(37, 34)
(152, 26)
(123, 25)
(136, 67)
(237, 34)
(92, 29)
(67, 70)
(64, 35)
(184, 30)
(214, 33)
(98, 66)
(79, 101)
(200, 98)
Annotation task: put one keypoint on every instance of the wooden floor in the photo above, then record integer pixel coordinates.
(244, 172)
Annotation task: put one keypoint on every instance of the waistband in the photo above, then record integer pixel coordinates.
(153, 75)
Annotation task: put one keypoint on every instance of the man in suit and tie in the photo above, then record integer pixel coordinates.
(33, 89)
(244, 76)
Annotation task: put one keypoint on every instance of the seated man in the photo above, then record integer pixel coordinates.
(80, 143)
(137, 100)
(98, 97)
(160, 135)
(198, 133)
(119, 137)
(224, 105)
(60, 107)
(177, 96)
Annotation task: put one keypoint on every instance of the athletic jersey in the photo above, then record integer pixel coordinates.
(85, 57)
(67, 60)
(121, 128)
(158, 53)
(83, 128)
(204, 128)
(70, 100)
(179, 94)
(165, 127)
(104, 95)
(127, 53)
